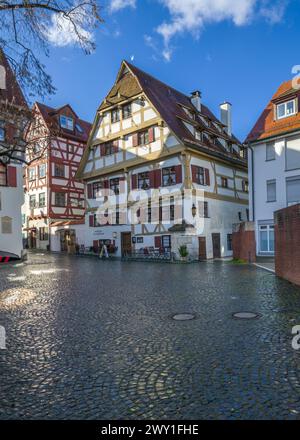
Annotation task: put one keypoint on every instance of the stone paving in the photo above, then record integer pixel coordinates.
(96, 340)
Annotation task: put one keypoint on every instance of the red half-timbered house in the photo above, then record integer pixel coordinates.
(54, 198)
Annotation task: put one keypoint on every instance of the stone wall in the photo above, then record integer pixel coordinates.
(287, 243)
(243, 242)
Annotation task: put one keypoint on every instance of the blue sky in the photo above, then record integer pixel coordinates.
(236, 50)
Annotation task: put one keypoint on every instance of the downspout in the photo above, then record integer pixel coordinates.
(252, 181)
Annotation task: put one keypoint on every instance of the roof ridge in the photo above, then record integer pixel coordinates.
(158, 80)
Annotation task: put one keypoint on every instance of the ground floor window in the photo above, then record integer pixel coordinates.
(266, 238)
(166, 241)
(43, 234)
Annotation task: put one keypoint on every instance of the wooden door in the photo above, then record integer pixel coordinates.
(216, 240)
(33, 239)
(202, 249)
(126, 243)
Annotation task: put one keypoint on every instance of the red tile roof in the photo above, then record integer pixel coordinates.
(13, 92)
(170, 104)
(50, 116)
(267, 126)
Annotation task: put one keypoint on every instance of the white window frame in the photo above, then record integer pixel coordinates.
(266, 228)
(272, 182)
(285, 104)
(66, 122)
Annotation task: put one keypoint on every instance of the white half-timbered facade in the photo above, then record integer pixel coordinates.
(161, 172)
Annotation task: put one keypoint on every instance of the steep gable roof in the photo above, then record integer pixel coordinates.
(170, 103)
(50, 116)
(12, 92)
(267, 125)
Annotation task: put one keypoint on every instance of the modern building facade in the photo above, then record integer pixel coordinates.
(13, 108)
(274, 163)
(176, 173)
(54, 199)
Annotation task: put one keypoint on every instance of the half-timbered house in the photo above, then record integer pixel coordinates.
(178, 174)
(54, 200)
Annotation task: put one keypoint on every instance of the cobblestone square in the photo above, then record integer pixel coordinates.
(87, 339)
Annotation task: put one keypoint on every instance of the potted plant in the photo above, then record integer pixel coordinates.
(183, 252)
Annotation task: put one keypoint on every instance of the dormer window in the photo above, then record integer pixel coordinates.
(79, 128)
(66, 122)
(286, 109)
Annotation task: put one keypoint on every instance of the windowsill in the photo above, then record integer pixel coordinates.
(270, 160)
(271, 201)
(285, 116)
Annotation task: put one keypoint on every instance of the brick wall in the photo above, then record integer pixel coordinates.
(243, 242)
(287, 243)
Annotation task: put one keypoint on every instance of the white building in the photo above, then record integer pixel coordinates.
(152, 142)
(12, 102)
(274, 163)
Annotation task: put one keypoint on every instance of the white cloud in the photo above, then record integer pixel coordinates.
(116, 5)
(192, 15)
(61, 31)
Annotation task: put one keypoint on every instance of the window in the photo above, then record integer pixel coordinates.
(109, 148)
(127, 111)
(271, 191)
(6, 225)
(79, 128)
(115, 115)
(32, 202)
(115, 186)
(203, 209)
(270, 151)
(66, 122)
(143, 137)
(200, 176)
(198, 135)
(245, 186)
(2, 131)
(293, 190)
(42, 200)
(229, 242)
(149, 212)
(292, 153)
(266, 238)
(43, 234)
(60, 199)
(224, 182)
(31, 174)
(172, 209)
(169, 176)
(2, 175)
(143, 181)
(286, 109)
(97, 187)
(42, 170)
(166, 241)
(59, 170)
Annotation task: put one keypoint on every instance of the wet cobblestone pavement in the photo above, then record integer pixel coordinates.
(96, 340)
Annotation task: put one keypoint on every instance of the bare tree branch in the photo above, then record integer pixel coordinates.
(29, 27)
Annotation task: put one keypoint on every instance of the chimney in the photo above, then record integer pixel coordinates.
(226, 116)
(196, 100)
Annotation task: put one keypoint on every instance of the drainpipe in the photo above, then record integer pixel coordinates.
(252, 179)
